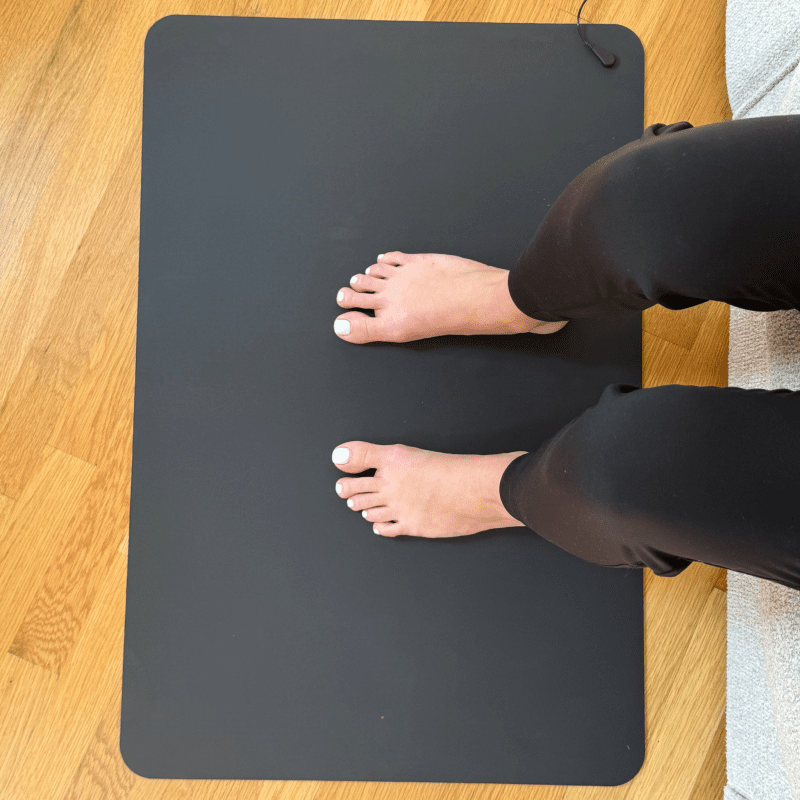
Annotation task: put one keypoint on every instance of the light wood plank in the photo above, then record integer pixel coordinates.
(89, 678)
(713, 773)
(32, 535)
(25, 692)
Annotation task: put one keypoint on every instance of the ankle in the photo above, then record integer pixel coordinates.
(519, 322)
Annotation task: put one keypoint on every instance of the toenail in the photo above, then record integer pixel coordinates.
(354, 279)
(340, 297)
(367, 270)
(341, 326)
(338, 488)
(375, 529)
(364, 513)
(341, 455)
(350, 503)
(381, 256)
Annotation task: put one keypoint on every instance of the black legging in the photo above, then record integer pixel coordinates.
(665, 476)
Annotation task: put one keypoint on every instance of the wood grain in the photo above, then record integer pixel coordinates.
(70, 159)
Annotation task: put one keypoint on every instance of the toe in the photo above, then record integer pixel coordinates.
(367, 283)
(360, 328)
(381, 270)
(378, 514)
(355, 457)
(389, 529)
(354, 299)
(395, 257)
(360, 502)
(348, 487)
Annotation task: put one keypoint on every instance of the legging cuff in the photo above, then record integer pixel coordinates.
(508, 480)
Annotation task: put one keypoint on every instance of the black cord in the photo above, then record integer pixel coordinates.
(606, 59)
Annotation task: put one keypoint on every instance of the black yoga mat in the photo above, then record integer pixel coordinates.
(269, 633)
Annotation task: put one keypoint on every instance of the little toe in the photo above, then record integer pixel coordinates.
(395, 257)
(389, 529)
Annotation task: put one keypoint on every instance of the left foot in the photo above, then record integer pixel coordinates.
(419, 295)
(422, 493)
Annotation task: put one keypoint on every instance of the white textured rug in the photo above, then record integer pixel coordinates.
(763, 700)
(762, 53)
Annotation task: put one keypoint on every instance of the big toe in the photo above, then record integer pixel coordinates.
(358, 328)
(357, 457)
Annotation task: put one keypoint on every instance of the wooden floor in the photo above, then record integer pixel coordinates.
(70, 156)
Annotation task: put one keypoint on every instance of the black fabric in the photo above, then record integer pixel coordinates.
(666, 476)
(678, 217)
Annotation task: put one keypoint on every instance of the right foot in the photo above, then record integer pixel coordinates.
(419, 295)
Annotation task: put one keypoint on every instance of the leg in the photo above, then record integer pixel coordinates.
(678, 217)
(666, 476)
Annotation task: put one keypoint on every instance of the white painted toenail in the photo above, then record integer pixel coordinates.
(341, 326)
(341, 455)
(340, 297)
(367, 270)
(354, 279)
(381, 256)
(338, 488)
(364, 514)
(350, 503)
(375, 529)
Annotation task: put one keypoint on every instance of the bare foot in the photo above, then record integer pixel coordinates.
(419, 295)
(421, 493)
